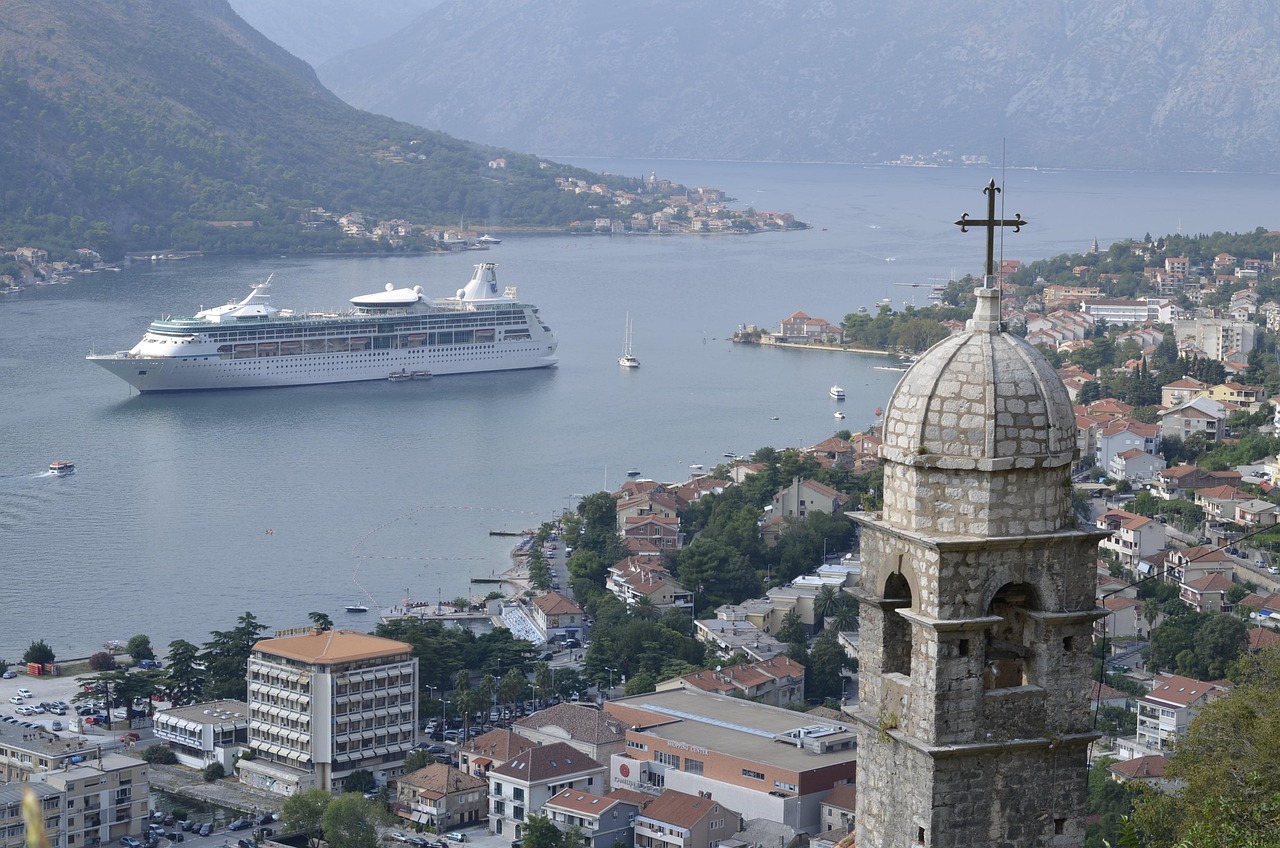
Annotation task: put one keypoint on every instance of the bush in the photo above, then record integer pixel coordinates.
(102, 661)
(180, 813)
(214, 771)
(159, 755)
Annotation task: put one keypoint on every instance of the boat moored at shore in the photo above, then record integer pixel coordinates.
(251, 344)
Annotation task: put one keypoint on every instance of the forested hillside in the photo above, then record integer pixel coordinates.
(132, 124)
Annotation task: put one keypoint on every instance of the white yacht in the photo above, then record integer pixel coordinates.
(628, 360)
(836, 393)
(250, 343)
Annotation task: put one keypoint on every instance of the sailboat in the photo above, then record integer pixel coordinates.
(627, 360)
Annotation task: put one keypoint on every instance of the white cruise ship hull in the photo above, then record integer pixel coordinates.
(197, 373)
(249, 344)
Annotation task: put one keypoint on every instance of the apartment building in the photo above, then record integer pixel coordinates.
(13, 829)
(103, 798)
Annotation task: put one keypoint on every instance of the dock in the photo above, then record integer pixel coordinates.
(510, 532)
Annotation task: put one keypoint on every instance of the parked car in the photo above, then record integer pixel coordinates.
(130, 842)
(56, 725)
(265, 818)
(25, 693)
(25, 711)
(186, 825)
(455, 836)
(246, 843)
(206, 828)
(16, 699)
(418, 842)
(131, 736)
(175, 836)
(398, 836)
(240, 824)
(9, 674)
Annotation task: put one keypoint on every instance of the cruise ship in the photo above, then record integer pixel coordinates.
(251, 344)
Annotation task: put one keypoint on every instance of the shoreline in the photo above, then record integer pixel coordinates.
(819, 346)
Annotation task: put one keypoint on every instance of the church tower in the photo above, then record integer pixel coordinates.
(977, 605)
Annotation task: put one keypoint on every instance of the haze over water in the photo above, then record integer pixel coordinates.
(164, 528)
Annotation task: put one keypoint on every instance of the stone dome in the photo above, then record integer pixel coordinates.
(981, 400)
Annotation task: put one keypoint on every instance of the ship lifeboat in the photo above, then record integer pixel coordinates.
(879, 412)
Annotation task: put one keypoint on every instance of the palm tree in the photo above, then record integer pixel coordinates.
(826, 602)
(644, 609)
(543, 680)
(845, 617)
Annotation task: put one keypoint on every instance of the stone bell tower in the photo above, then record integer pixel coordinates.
(977, 605)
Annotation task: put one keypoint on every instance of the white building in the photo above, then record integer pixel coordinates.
(523, 784)
(1216, 336)
(202, 734)
(326, 703)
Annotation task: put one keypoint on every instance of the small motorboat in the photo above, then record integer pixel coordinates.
(838, 414)
(635, 472)
(357, 608)
(62, 468)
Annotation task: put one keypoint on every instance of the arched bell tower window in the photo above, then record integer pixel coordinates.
(1008, 642)
(897, 630)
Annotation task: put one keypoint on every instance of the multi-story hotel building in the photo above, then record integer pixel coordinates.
(326, 703)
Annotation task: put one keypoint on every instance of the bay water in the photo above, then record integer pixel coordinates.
(187, 510)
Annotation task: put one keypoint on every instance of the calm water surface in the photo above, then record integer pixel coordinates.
(189, 509)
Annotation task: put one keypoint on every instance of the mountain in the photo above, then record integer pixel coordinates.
(134, 123)
(1068, 83)
(321, 29)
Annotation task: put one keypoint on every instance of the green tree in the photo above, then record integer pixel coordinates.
(183, 679)
(227, 658)
(417, 759)
(792, 629)
(514, 687)
(321, 620)
(139, 647)
(640, 684)
(38, 652)
(360, 780)
(351, 821)
(1224, 765)
(102, 661)
(159, 755)
(539, 832)
(213, 772)
(303, 812)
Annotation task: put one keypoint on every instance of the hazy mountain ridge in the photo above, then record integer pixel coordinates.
(328, 27)
(1070, 83)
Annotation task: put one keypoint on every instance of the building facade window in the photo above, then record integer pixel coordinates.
(692, 766)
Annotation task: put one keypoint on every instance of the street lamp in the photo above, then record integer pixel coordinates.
(611, 673)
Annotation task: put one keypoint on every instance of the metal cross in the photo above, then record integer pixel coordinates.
(991, 223)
